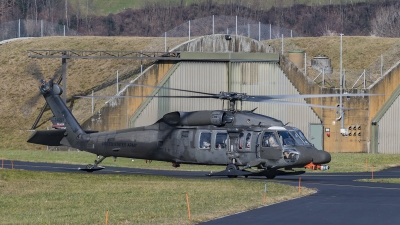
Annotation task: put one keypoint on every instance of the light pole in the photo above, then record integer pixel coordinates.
(341, 90)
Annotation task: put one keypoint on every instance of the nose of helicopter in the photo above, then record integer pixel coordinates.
(315, 156)
(321, 157)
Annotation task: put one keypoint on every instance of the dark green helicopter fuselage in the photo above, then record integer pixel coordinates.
(219, 137)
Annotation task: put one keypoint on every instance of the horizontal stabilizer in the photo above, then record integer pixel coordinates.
(47, 137)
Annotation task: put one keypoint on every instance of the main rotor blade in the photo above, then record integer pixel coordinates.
(260, 98)
(168, 88)
(301, 104)
(155, 96)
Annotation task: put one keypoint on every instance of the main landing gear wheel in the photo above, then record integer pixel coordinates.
(233, 168)
(271, 176)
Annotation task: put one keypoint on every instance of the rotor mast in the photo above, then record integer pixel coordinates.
(232, 97)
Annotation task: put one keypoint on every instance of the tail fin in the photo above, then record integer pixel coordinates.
(51, 92)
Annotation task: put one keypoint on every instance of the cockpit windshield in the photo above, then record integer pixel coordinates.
(302, 136)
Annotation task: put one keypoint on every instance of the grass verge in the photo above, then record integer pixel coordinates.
(362, 162)
(382, 180)
(29, 197)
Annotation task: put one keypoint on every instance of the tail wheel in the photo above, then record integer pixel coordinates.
(89, 166)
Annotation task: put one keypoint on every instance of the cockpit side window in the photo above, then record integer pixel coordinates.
(296, 137)
(286, 138)
(205, 140)
(269, 140)
(220, 140)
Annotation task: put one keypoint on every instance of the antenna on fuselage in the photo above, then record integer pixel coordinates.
(254, 109)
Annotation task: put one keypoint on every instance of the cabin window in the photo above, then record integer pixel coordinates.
(296, 137)
(269, 140)
(248, 140)
(241, 140)
(205, 140)
(220, 140)
(285, 138)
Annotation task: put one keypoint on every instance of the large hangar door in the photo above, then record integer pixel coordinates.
(316, 135)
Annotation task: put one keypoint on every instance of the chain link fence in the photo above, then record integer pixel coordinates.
(232, 25)
(33, 28)
(352, 78)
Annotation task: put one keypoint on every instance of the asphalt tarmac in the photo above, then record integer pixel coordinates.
(339, 199)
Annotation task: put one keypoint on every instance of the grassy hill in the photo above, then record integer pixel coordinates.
(358, 53)
(18, 85)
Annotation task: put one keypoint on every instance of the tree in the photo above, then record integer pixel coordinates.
(387, 21)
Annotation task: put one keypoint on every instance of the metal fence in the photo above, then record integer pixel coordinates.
(352, 78)
(33, 28)
(232, 25)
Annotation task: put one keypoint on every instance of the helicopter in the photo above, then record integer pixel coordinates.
(238, 139)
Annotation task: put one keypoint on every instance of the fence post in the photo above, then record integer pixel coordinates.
(305, 63)
(213, 25)
(41, 28)
(265, 192)
(259, 31)
(189, 30)
(299, 185)
(270, 31)
(117, 83)
(236, 25)
(141, 65)
(165, 42)
(19, 28)
(188, 205)
(92, 102)
(106, 221)
(364, 79)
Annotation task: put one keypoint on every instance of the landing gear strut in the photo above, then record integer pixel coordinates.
(90, 168)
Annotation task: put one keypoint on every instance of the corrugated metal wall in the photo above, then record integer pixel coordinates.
(253, 78)
(203, 77)
(389, 129)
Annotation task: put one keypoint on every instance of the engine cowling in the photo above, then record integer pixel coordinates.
(197, 118)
